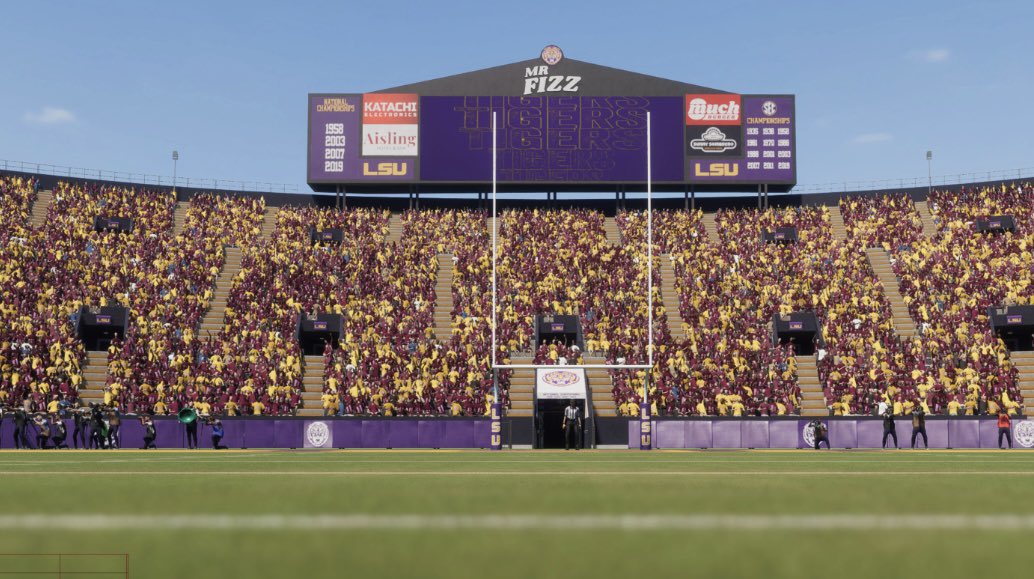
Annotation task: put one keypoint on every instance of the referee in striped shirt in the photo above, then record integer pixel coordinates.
(572, 426)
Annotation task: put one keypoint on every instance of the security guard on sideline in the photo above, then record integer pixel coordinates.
(572, 426)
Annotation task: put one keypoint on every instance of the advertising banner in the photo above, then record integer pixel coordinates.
(560, 384)
(390, 125)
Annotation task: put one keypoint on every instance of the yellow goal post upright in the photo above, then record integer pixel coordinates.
(645, 418)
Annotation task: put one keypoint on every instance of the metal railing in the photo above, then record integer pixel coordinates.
(268, 187)
(146, 178)
(938, 180)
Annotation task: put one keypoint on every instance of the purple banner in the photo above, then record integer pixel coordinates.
(550, 139)
(645, 427)
(335, 145)
(496, 435)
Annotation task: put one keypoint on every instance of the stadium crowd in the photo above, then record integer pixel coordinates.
(391, 362)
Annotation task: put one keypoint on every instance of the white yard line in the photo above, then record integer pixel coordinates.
(856, 522)
(511, 473)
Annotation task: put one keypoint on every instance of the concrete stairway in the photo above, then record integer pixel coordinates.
(212, 323)
(929, 227)
(1024, 362)
(95, 377)
(313, 374)
(710, 227)
(903, 323)
(601, 387)
(670, 297)
(443, 303)
(522, 391)
(836, 221)
(268, 223)
(39, 208)
(179, 217)
(613, 232)
(813, 401)
(394, 229)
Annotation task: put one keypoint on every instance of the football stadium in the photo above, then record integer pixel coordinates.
(541, 317)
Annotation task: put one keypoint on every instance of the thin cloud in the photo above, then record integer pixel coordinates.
(930, 55)
(50, 116)
(871, 138)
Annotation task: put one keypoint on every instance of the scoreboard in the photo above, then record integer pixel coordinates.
(560, 122)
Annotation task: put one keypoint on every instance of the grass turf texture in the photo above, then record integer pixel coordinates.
(524, 483)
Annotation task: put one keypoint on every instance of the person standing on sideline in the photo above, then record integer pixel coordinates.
(21, 420)
(889, 429)
(114, 424)
(42, 431)
(217, 435)
(820, 433)
(80, 420)
(58, 432)
(1004, 427)
(150, 433)
(572, 426)
(919, 426)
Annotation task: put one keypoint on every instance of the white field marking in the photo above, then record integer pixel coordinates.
(194, 460)
(511, 473)
(632, 522)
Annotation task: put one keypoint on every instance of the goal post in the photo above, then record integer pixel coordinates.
(645, 418)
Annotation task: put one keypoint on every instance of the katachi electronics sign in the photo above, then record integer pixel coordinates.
(390, 124)
(712, 109)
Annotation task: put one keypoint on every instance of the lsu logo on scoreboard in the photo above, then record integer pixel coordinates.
(705, 169)
(385, 169)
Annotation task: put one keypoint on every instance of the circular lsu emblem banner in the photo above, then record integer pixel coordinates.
(318, 435)
(561, 378)
(1023, 432)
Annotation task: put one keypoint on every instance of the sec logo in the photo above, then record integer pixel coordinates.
(768, 108)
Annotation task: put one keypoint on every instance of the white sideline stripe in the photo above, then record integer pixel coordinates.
(857, 522)
(509, 473)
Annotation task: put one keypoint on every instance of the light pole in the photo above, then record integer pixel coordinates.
(176, 158)
(929, 174)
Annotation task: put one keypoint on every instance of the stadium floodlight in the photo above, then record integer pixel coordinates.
(175, 160)
(929, 174)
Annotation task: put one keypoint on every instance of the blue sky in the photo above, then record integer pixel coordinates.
(117, 85)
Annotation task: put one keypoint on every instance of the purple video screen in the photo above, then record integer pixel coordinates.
(550, 139)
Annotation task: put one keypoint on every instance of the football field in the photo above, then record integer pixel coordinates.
(516, 513)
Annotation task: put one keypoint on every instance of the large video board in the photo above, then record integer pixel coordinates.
(713, 138)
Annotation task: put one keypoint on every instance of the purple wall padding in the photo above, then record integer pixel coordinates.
(699, 434)
(844, 432)
(782, 434)
(430, 433)
(667, 434)
(963, 434)
(754, 434)
(726, 434)
(458, 435)
(402, 433)
(348, 433)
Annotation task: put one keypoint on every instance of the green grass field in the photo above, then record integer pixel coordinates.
(519, 513)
